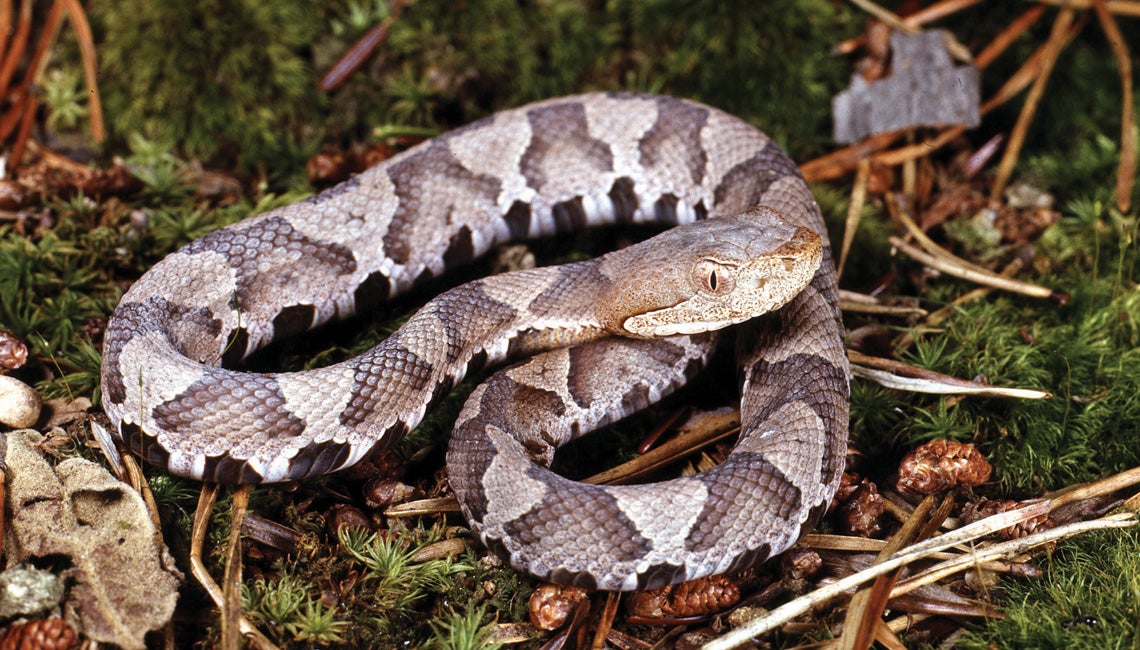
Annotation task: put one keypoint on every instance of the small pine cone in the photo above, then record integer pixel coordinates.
(848, 483)
(940, 465)
(859, 515)
(13, 351)
(551, 605)
(42, 634)
(698, 597)
(975, 511)
(649, 604)
(802, 563)
(706, 595)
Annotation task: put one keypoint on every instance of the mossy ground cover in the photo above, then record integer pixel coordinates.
(234, 85)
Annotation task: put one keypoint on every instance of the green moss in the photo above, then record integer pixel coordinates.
(392, 598)
(220, 81)
(237, 82)
(1088, 598)
(52, 288)
(463, 631)
(762, 61)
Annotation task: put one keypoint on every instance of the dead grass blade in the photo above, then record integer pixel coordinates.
(962, 536)
(865, 611)
(937, 10)
(1012, 548)
(885, 15)
(1057, 41)
(841, 161)
(1126, 172)
(231, 581)
(939, 316)
(17, 47)
(606, 620)
(421, 507)
(1007, 36)
(206, 499)
(902, 376)
(1117, 7)
(1025, 75)
(702, 431)
(86, 43)
(5, 23)
(919, 149)
(939, 258)
(859, 303)
(854, 211)
(969, 272)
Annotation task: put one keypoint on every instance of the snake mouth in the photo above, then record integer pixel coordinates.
(671, 322)
(685, 328)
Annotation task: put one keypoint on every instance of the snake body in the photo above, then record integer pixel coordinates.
(748, 239)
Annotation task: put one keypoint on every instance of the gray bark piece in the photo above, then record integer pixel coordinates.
(925, 88)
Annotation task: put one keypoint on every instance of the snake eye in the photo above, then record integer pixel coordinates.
(714, 277)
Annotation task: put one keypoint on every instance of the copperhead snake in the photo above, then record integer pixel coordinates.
(748, 238)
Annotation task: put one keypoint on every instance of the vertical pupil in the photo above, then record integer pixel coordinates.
(712, 280)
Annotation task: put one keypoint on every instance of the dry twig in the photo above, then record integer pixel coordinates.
(854, 211)
(1118, 7)
(1126, 172)
(896, 374)
(965, 535)
(206, 499)
(1058, 38)
(939, 258)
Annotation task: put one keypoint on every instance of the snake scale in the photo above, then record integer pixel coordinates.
(747, 238)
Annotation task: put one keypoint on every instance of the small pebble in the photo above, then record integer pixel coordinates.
(19, 403)
(381, 492)
(25, 591)
(346, 516)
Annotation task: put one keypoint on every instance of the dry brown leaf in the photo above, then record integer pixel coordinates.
(64, 410)
(121, 582)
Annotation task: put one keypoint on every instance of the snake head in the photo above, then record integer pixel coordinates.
(707, 275)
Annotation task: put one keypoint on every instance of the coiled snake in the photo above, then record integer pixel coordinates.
(534, 171)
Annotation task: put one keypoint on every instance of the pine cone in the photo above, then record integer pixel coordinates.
(551, 605)
(13, 351)
(698, 597)
(42, 634)
(801, 563)
(975, 511)
(941, 465)
(847, 485)
(859, 515)
(706, 595)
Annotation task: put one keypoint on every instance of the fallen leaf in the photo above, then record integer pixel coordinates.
(64, 410)
(121, 581)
